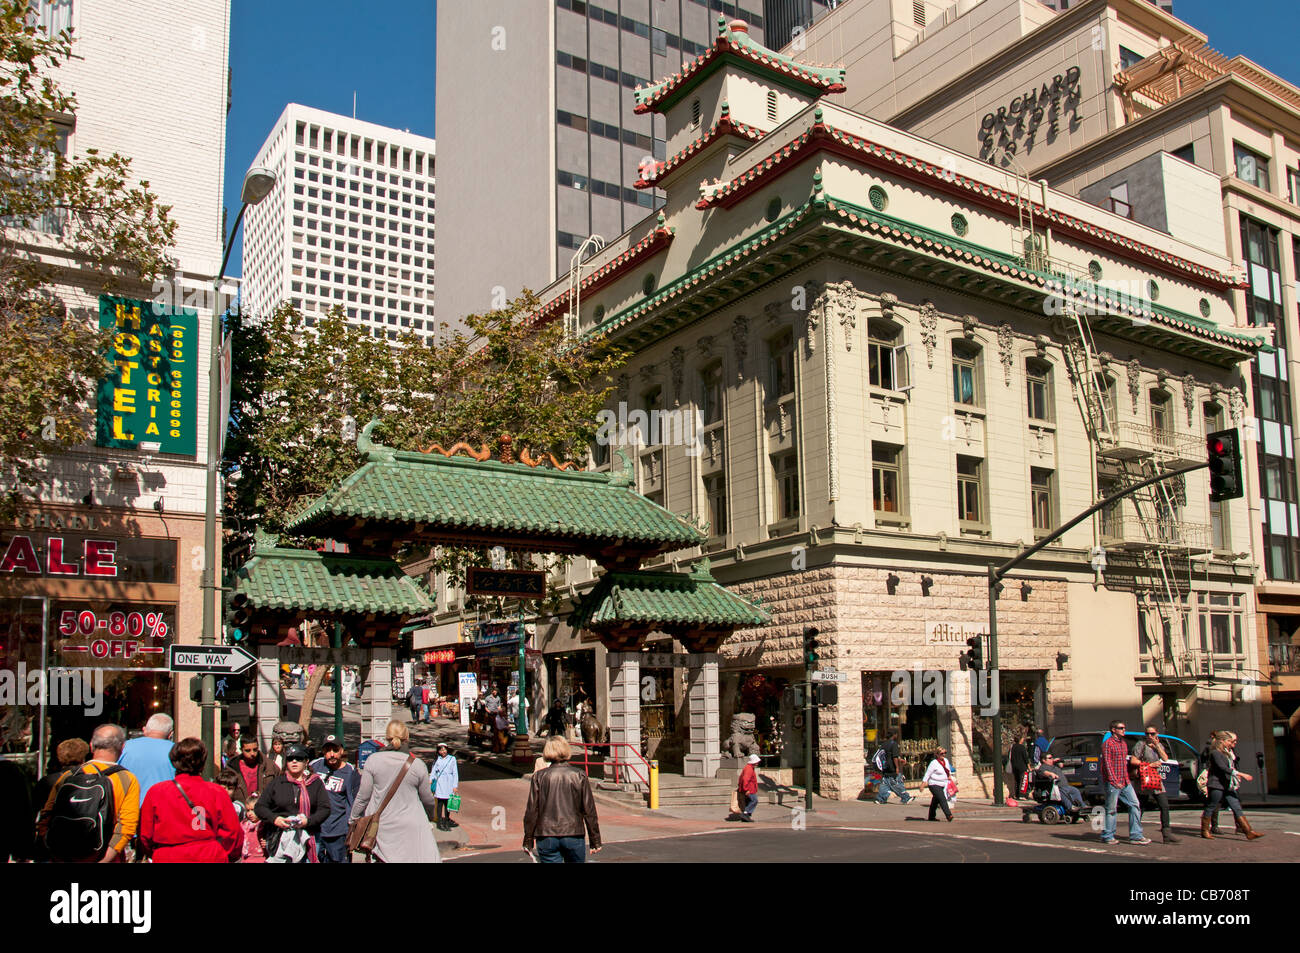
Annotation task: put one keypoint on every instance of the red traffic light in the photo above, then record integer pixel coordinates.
(1224, 461)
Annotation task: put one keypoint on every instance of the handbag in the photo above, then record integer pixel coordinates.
(453, 803)
(1149, 777)
(364, 831)
(951, 789)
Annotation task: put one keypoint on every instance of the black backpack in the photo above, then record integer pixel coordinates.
(84, 814)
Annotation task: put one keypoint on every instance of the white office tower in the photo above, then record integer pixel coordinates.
(349, 223)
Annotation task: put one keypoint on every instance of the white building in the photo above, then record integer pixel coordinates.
(349, 223)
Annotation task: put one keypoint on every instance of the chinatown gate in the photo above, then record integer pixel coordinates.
(440, 498)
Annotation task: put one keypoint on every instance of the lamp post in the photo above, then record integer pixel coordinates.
(257, 185)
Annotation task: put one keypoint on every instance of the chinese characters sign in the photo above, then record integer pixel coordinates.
(514, 583)
(151, 392)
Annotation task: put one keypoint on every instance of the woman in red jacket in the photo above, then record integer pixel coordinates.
(189, 820)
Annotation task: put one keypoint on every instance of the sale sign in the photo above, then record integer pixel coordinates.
(126, 636)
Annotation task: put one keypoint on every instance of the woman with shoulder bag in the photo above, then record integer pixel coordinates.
(1224, 781)
(1150, 751)
(938, 778)
(405, 836)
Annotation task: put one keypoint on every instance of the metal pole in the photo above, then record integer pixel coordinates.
(338, 685)
(998, 800)
(208, 585)
(521, 716)
(807, 740)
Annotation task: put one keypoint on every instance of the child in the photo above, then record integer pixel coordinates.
(254, 852)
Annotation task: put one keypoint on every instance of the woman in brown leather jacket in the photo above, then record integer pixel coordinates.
(560, 805)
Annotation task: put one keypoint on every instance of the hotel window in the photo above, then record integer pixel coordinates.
(1162, 418)
(1251, 166)
(970, 492)
(1038, 378)
(1293, 185)
(780, 365)
(886, 356)
(1041, 501)
(1107, 396)
(715, 490)
(785, 470)
(966, 387)
(712, 392)
(1110, 515)
(887, 482)
(1220, 622)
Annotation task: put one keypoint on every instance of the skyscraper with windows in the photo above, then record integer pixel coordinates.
(349, 223)
(541, 140)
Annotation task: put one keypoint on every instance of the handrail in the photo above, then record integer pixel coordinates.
(627, 764)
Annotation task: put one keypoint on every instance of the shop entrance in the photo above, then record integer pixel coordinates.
(892, 705)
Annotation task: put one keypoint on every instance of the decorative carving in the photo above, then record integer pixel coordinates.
(621, 477)
(1105, 358)
(647, 373)
(676, 363)
(481, 454)
(888, 302)
(528, 460)
(705, 345)
(845, 298)
(1041, 343)
(968, 325)
(1189, 397)
(812, 317)
(1005, 341)
(1134, 382)
(773, 311)
(783, 420)
(507, 448)
(929, 330)
(1236, 405)
(740, 344)
(623, 384)
(741, 743)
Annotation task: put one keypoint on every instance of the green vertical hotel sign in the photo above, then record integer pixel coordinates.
(151, 392)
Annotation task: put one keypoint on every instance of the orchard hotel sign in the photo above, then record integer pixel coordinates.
(1017, 125)
(149, 396)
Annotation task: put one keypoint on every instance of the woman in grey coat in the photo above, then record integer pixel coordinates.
(405, 836)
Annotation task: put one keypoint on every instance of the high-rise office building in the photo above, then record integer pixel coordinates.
(1165, 5)
(541, 140)
(349, 223)
(782, 18)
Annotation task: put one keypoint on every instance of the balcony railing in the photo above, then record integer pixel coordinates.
(1118, 206)
(1137, 532)
(1284, 658)
(1126, 440)
(1196, 665)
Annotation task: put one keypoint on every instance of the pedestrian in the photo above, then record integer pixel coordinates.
(1150, 750)
(93, 811)
(1071, 797)
(228, 779)
(492, 703)
(1203, 766)
(747, 788)
(231, 743)
(254, 769)
(891, 780)
(1223, 783)
(414, 699)
(938, 776)
(1041, 745)
(276, 756)
(342, 781)
(186, 820)
(560, 806)
(349, 686)
(292, 807)
(1018, 759)
(500, 730)
(16, 819)
(405, 836)
(1115, 761)
(71, 753)
(444, 777)
(556, 718)
(149, 757)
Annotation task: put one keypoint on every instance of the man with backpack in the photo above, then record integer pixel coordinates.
(885, 759)
(93, 811)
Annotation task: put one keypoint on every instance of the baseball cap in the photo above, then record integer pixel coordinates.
(295, 751)
(331, 741)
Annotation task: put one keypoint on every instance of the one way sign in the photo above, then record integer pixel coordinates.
(209, 659)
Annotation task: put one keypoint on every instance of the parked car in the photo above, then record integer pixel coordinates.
(1080, 754)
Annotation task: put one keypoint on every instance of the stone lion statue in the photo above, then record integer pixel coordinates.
(741, 743)
(290, 732)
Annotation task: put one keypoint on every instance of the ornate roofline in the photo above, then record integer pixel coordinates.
(723, 127)
(733, 44)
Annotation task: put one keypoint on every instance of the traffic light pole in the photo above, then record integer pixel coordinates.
(996, 574)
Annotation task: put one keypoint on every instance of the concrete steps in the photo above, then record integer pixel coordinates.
(674, 791)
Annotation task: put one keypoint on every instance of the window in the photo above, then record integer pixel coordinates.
(1106, 393)
(651, 402)
(695, 114)
(1110, 515)
(1128, 59)
(1038, 384)
(785, 469)
(970, 496)
(886, 481)
(1293, 185)
(1162, 418)
(771, 105)
(1220, 622)
(1251, 166)
(1040, 500)
(715, 489)
(965, 374)
(711, 394)
(886, 356)
(780, 364)
(599, 454)
(51, 17)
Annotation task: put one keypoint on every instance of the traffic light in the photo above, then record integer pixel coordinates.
(231, 689)
(1224, 452)
(973, 657)
(809, 646)
(828, 694)
(239, 616)
(196, 688)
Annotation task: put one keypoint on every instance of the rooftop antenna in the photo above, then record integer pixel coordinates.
(354, 104)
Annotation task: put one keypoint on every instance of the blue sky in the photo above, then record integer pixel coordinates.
(317, 52)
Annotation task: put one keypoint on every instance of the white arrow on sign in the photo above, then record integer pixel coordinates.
(830, 676)
(209, 659)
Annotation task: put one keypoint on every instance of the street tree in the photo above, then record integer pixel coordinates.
(64, 220)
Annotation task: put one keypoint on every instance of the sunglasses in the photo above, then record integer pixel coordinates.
(295, 759)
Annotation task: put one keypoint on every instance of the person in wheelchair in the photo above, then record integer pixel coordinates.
(1050, 776)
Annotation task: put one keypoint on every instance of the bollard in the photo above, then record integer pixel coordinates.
(654, 785)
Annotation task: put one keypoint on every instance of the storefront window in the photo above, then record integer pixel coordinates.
(890, 704)
(761, 695)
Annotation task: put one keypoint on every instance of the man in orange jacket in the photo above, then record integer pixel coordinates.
(748, 788)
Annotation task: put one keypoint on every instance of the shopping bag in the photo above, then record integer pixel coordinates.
(735, 802)
(453, 803)
(1149, 775)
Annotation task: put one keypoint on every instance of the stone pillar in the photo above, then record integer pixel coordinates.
(704, 749)
(841, 765)
(377, 693)
(625, 706)
(267, 695)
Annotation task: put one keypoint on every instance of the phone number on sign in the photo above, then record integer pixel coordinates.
(125, 631)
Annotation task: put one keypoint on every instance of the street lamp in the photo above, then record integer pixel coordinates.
(257, 185)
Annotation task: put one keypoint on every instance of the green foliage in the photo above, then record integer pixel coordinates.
(51, 206)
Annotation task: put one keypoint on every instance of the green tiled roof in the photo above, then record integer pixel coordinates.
(665, 597)
(466, 495)
(300, 579)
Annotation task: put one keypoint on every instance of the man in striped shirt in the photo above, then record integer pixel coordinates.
(1115, 760)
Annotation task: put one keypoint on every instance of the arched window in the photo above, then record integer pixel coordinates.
(1038, 387)
(1162, 417)
(967, 388)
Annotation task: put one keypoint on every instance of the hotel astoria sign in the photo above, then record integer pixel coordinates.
(1036, 111)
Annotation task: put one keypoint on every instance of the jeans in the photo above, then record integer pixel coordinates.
(1114, 796)
(1162, 802)
(1070, 796)
(751, 802)
(1216, 799)
(939, 799)
(333, 850)
(561, 850)
(892, 783)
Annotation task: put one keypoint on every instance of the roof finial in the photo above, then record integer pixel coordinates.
(661, 221)
(726, 108)
(817, 114)
(506, 455)
(722, 25)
